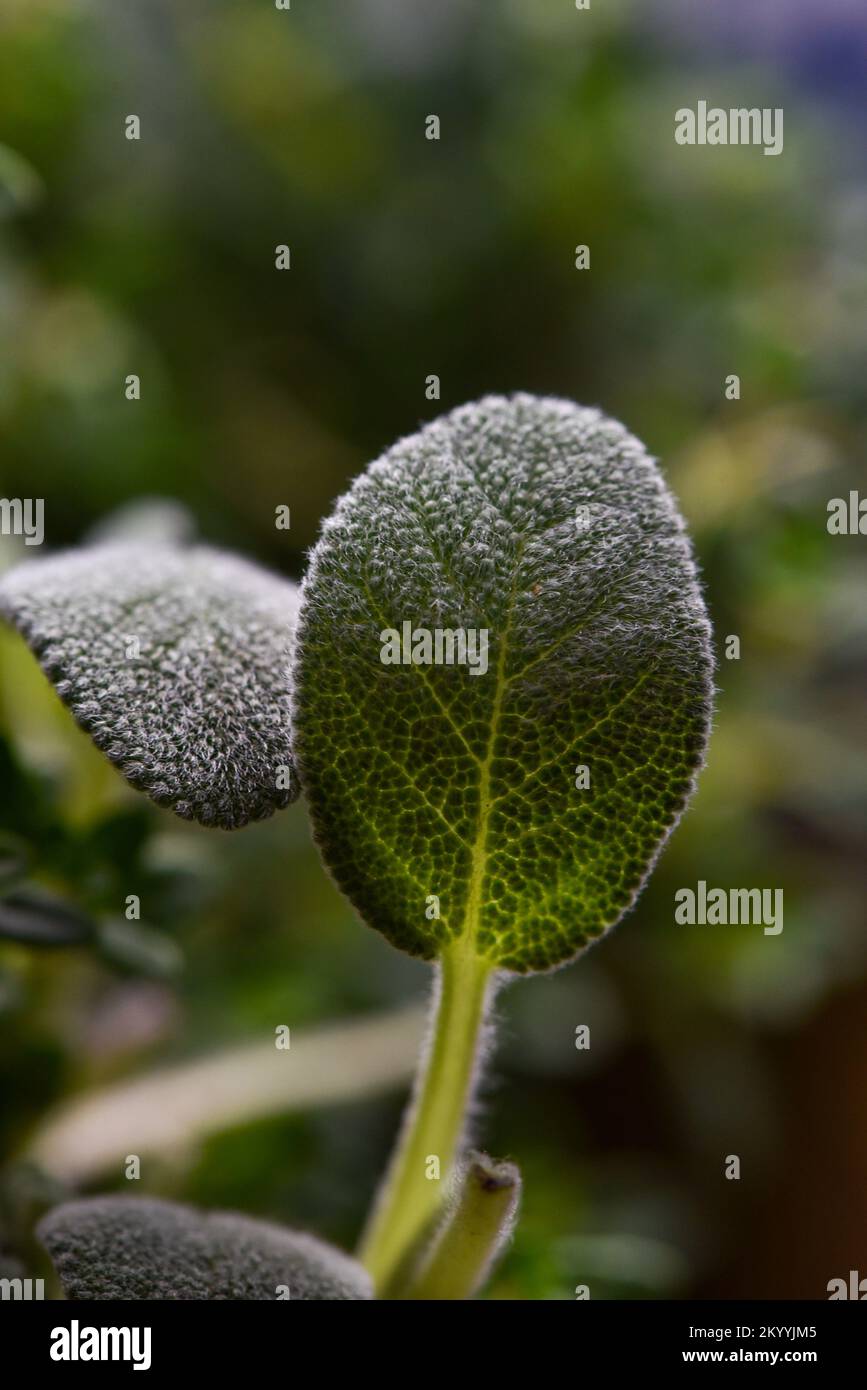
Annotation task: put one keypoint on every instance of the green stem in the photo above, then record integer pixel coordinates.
(410, 1199)
(478, 1227)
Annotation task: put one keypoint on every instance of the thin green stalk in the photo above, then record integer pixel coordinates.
(410, 1198)
(480, 1223)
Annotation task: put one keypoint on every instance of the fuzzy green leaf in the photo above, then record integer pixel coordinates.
(549, 526)
(141, 1248)
(174, 661)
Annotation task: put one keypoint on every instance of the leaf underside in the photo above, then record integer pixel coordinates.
(174, 661)
(429, 780)
(142, 1248)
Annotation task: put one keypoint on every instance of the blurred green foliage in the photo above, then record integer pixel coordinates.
(259, 389)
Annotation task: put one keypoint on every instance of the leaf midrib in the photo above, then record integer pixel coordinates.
(472, 914)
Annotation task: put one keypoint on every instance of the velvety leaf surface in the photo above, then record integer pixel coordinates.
(174, 661)
(141, 1248)
(432, 780)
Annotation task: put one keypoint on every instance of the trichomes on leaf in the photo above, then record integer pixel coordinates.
(548, 527)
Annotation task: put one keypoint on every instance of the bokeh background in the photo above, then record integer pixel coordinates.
(262, 388)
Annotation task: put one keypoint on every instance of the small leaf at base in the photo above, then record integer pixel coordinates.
(141, 1248)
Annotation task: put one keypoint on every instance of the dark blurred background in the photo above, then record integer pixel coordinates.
(259, 388)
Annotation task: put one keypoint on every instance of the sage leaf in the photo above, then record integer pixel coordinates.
(174, 661)
(449, 799)
(15, 857)
(153, 520)
(35, 918)
(143, 1248)
(139, 949)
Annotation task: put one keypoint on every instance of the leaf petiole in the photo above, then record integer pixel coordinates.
(475, 1232)
(433, 1128)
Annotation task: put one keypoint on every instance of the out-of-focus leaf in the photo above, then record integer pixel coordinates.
(14, 860)
(154, 520)
(118, 840)
(35, 918)
(27, 806)
(622, 1266)
(138, 948)
(20, 185)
